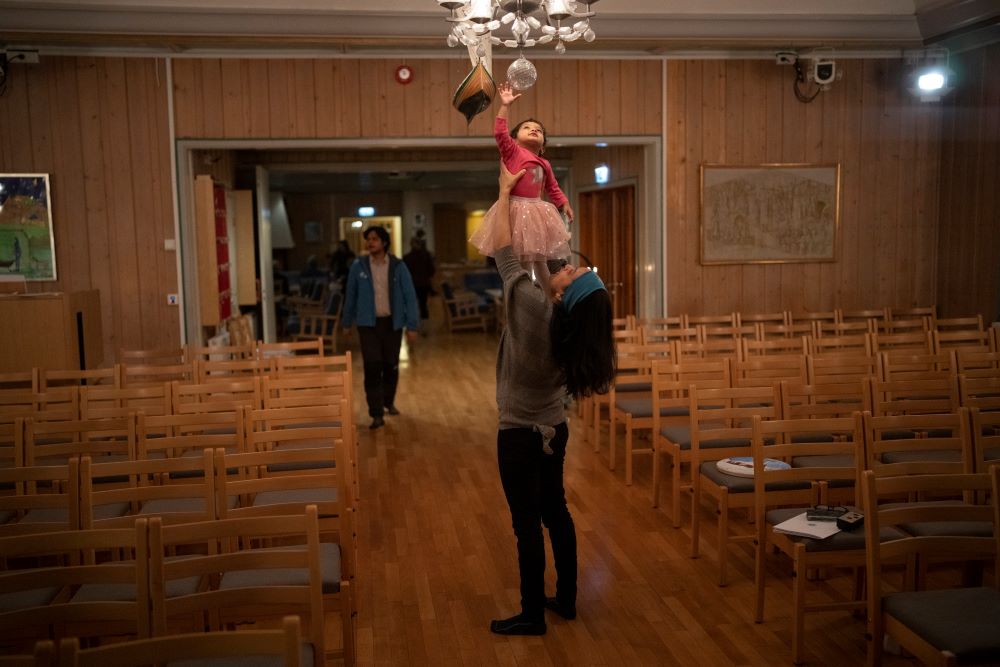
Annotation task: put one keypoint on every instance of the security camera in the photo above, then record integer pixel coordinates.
(824, 72)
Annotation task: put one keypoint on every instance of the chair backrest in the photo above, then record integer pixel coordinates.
(957, 545)
(313, 365)
(178, 490)
(979, 392)
(313, 347)
(777, 345)
(807, 401)
(304, 390)
(797, 442)
(228, 370)
(106, 402)
(45, 499)
(855, 314)
(157, 357)
(917, 444)
(57, 441)
(858, 343)
(841, 367)
(216, 396)
(923, 396)
(962, 339)
(722, 419)
(707, 348)
(977, 363)
(170, 436)
(919, 341)
(58, 403)
(103, 577)
(137, 375)
(246, 583)
(209, 647)
(60, 378)
(985, 439)
(781, 318)
(20, 381)
(915, 365)
(766, 371)
(220, 352)
(769, 330)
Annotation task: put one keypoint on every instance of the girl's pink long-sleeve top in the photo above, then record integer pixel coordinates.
(538, 171)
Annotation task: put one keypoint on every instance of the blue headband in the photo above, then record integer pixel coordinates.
(582, 287)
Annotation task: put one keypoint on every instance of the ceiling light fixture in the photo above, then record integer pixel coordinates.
(518, 24)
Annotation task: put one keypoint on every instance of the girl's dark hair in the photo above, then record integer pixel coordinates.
(583, 345)
(545, 135)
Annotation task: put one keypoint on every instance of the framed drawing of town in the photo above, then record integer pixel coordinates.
(26, 244)
(769, 213)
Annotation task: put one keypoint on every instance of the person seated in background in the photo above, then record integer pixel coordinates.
(420, 262)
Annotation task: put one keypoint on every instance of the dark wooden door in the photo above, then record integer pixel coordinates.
(606, 228)
(449, 233)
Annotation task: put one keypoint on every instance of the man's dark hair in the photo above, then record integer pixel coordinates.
(381, 233)
(583, 345)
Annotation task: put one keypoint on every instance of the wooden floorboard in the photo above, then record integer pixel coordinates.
(437, 552)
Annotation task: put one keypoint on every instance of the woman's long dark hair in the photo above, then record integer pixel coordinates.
(583, 345)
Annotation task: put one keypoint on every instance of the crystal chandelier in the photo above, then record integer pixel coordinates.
(518, 24)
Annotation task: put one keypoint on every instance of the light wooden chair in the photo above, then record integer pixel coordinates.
(91, 583)
(942, 626)
(974, 363)
(818, 316)
(282, 645)
(862, 314)
(12, 442)
(631, 404)
(858, 343)
(170, 436)
(708, 348)
(54, 442)
(783, 317)
(147, 491)
(985, 439)
(926, 313)
(768, 370)
(107, 402)
(44, 655)
(20, 381)
(230, 578)
(914, 342)
(229, 370)
(154, 357)
(678, 381)
(139, 375)
(216, 396)
(464, 311)
(908, 365)
(838, 329)
(303, 390)
(808, 445)
(313, 365)
(45, 499)
(768, 331)
(812, 401)
(918, 443)
(936, 395)
(964, 339)
(221, 352)
(775, 345)
(841, 367)
(721, 421)
(319, 326)
(311, 347)
(88, 377)
(980, 392)
(628, 351)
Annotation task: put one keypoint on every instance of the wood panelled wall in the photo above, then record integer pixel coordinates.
(888, 146)
(99, 127)
(346, 98)
(969, 249)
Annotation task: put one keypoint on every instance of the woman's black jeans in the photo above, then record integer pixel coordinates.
(533, 483)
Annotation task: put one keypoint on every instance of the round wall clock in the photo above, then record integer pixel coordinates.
(404, 74)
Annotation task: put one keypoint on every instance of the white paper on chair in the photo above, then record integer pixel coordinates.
(803, 527)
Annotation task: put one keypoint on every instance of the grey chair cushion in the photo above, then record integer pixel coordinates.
(737, 484)
(905, 456)
(304, 496)
(305, 658)
(329, 559)
(844, 540)
(628, 387)
(643, 407)
(173, 506)
(679, 435)
(38, 597)
(965, 621)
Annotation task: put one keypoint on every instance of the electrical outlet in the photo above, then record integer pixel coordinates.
(169, 244)
(785, 58)
(22, 56)
(171, 299)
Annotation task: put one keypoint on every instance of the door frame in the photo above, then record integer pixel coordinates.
(650, 212)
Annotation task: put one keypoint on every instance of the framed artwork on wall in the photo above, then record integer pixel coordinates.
(27, 247)
(769, 213)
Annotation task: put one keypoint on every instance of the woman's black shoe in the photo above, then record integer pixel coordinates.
(518, 625)
(566, 611)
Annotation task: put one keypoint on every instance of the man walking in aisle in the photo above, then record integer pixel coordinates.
(381, 299)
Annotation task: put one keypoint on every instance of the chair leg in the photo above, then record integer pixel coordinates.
(675, 492)
(628, 450)
(723, 537)
(760, 572)
(595, 427)
(695, 517)
(656, 474)
(798, 607)
(612, 438)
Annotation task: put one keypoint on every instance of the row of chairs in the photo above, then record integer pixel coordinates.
(882, 316)
(879, 383)
(197, 370)
(171, 468)
(154, 579)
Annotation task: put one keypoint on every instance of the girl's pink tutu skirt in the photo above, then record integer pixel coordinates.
(537, 230)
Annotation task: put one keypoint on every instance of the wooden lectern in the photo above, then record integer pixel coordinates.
(55, 331)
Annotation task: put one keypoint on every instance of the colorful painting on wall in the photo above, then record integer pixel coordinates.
(27, 246)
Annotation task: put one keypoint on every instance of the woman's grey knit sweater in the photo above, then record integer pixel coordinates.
(529, 390)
